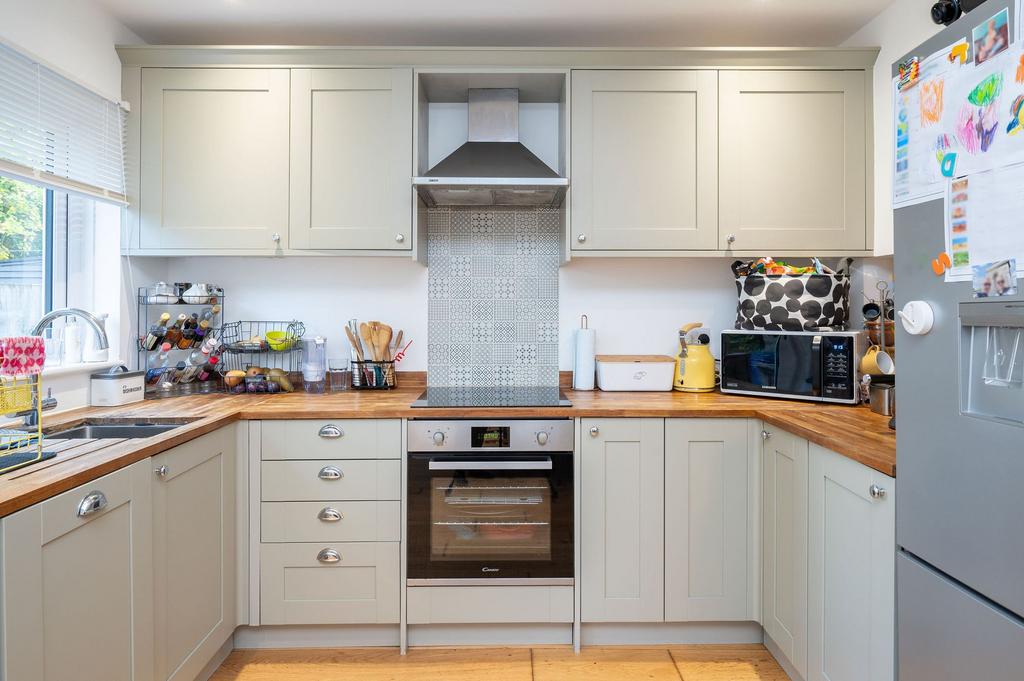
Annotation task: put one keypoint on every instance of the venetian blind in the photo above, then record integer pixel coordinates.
(55, 132)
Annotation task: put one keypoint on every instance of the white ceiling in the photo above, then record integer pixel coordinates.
(610, 23)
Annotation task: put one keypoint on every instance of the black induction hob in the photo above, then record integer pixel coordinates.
(492, 396)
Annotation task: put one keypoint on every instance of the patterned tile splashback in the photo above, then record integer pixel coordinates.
(493, 296)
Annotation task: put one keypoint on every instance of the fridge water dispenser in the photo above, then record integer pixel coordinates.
(992, 361)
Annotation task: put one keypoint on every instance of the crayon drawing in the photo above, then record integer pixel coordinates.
(931, 102)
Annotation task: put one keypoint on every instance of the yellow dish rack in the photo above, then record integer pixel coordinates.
(21, 447)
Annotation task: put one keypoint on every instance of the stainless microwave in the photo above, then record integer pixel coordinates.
(803, 365)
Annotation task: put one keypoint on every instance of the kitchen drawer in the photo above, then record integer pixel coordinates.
(362, 587)
(332, 439)
(489, 604)
(360, 480)
(299, 521)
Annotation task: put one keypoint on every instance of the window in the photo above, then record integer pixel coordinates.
(62, 187)
(47, 240)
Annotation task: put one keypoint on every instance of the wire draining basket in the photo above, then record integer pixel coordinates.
(21, 447)
(246, 344)
(370, 375)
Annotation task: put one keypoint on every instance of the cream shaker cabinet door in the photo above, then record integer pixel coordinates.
(193, 553)
(706, 513)
(214, 159)
(351, 156)
(77, 587)
(784, 533)
(644, 160)
(622, 518)
(793, 170)
(851, 577)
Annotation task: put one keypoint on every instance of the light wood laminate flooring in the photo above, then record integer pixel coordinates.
(670, 663)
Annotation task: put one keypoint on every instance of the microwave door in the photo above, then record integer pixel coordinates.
(799, 365)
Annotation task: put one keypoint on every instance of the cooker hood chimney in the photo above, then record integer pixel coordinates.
(492, 168)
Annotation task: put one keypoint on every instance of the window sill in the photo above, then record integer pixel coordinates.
(75, 369)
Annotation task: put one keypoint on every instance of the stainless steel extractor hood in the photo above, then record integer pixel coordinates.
(492, 168)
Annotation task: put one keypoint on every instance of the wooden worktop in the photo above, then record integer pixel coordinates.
(854, 432)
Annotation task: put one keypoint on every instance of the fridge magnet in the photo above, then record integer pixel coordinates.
(960, 53)
(995, 279)
(941, 264)
(910, 71)
(1019, 77)
(991, 36)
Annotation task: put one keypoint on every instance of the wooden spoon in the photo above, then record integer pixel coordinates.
(366, 331)
(385, 340)
(355, 343)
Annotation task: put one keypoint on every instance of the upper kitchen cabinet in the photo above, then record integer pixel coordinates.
(214, 159)
(793, 171)
(644, 160)
(351, 159)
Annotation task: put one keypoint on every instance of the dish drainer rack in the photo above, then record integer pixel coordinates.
(21, 447)
(241, 352)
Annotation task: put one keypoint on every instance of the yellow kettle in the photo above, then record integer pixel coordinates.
(695, 366)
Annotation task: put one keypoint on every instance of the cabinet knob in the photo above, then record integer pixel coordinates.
(594, 430)
(330, 515)
(162, 471)
(92, 503)
(331, 432)
(731, 238)
(399, 238)
(328, 556)
(876, 492)
(581, 238)
(765, 435)
(275, 237)
(330, 473)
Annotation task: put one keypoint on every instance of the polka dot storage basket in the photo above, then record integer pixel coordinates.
(792, 302)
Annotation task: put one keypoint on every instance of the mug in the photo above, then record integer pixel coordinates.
(877, 361)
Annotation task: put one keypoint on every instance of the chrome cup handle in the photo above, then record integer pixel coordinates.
(328, 556)
(330, 473)
(330, 515)
(331, 432)
(93, 502)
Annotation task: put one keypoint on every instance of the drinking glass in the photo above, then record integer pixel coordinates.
(340, 374)
(53, 343)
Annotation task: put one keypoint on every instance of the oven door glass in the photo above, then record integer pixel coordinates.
(771, 363)
(490, 516)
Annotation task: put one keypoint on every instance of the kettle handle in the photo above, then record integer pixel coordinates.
(687, 328)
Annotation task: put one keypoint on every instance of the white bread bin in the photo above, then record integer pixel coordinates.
(648, 373)
(116, 386)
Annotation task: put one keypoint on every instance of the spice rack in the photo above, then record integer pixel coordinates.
(173, 381)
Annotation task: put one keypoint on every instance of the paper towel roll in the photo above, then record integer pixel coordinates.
(583, 366)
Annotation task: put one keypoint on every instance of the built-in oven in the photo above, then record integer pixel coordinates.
(490, 502)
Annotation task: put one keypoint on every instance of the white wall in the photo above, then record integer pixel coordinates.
(637, 305)
(897, 30)
(74, 37)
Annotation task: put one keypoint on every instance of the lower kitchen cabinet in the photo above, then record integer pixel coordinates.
(77, 583)
(193, 553)
(623, 520)
(325, 583)
(706, 513)
(851, 576)
(784, 535)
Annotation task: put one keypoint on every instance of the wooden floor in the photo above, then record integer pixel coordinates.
(675, 663)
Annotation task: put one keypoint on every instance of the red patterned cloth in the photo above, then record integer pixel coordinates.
(22, 355)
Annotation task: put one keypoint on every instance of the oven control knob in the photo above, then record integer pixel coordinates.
(542, 438)
(438, 438)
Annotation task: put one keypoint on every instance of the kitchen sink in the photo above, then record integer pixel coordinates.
(113, 430)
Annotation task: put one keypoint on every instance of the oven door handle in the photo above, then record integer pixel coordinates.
(449, 465)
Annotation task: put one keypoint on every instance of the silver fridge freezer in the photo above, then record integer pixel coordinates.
(960, 458)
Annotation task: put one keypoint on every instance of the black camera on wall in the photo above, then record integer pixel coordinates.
(945, 12)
